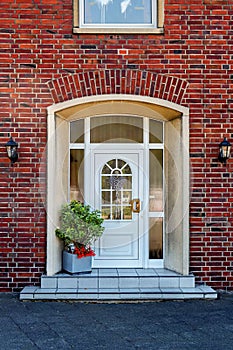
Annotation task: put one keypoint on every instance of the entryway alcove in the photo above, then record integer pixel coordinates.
(174, 143)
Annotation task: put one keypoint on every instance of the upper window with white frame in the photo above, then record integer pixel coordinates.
(116, 16)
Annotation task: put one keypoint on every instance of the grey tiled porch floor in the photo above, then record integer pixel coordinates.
(118, 284)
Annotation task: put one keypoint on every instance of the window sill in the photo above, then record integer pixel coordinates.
(78, 30)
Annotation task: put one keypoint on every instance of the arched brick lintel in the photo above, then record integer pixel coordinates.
(116, 81)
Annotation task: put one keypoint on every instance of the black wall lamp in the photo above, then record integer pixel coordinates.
(224, 151)
(11, 148)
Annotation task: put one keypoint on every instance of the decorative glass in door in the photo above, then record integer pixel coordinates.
(116, 190)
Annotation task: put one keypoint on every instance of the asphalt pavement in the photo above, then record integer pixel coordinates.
(166, 325)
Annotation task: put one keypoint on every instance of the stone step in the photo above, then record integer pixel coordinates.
(115, 294)
(118, 284)
(120, 278)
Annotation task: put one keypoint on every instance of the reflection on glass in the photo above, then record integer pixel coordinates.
(116, 212)
(128, 182)
(156, 180)
(117, 11)
(156, 131)
(106, 169)
(77, 131)
(126, 169)
(106, 213)
(116, 129)
(116, 197)
(112, 164)
(76, 174)
(156, 238)
(126, 197)
(127, 213)
(121, 163)
(106, 197)
(106, 182)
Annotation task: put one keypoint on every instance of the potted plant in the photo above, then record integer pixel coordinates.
(79, 228)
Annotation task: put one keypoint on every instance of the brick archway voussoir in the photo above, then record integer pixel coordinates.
(116, 81)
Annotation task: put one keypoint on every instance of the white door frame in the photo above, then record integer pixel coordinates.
(145, 262)
(114, 149)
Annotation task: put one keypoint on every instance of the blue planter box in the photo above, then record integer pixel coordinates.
(72, 264)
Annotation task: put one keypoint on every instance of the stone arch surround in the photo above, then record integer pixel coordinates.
(116, 81)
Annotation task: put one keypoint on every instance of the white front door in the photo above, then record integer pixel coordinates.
(117, 191)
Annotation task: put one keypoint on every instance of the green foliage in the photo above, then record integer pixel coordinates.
(79, 224)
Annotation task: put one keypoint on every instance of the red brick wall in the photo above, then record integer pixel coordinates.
(38, 50)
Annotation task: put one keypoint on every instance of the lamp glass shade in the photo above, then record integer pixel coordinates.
(224, 150)
(11, 148)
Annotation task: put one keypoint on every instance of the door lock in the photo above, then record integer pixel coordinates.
(135, 205)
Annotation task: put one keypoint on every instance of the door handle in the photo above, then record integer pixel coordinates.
(135, 205)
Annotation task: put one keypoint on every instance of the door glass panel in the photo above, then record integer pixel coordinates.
(106, 197)
(106, 213)
(116, 191)
(116, 212)
(156, 238)
(116, 129)
(156, 180)
(106, 170)
(115, 197)
(76, 174)
(155, 131)
(126, 196)
(77, 131)
(112, 164)
(127, 213)
(126, 169)
(127, 182)
(105, 182)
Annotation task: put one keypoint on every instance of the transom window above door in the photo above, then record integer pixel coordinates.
(116, 129)
(118, 15)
